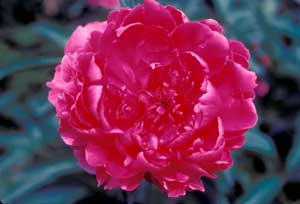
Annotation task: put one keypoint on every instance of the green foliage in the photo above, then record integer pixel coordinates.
(293, 159)
(33, 158)
(29, 160)
(260, 143)
(264, 191)
(58, 194)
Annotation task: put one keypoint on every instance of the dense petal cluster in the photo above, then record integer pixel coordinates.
(150, 94)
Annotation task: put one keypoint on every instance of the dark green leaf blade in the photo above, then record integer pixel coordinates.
(264, 191)
(293, 159)
(258, 142)
(28, 64)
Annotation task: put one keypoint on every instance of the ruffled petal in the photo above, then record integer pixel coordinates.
(213, 24)
(81, 35)
(215, 51)
(190, 35)
(157, 15)
(178, 15)
(239, 115)
(240, 53)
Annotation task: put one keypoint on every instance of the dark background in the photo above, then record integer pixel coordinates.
(37, 168)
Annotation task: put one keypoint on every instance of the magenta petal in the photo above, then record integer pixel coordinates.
(156, 47)
(80, 155)
(70, 136)
(92, 95)
(213, 24)
(155, 14)
(81, 35)
(137, 15)
(214, 51)
(90, 70)
(175, 189)
(95, 155)
(117, 16)
(178, 15)
(244, 110)
(240, 84)
(189, 35)
(209, 105)
(240, 53)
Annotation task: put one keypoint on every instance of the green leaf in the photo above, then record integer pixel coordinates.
(24, 36)
(293, 158)
(258, 142)
(195, 10)
(52, 33)
(55, 195)
(32, 179)
(12, 138)
(10, 159)
(8, 54)
(226, 180)
(130, 3)
(7, 98)
(263, 192)
(221, 199)
(28, 64)
(39, 104)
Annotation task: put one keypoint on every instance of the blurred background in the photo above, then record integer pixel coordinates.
(37, 168)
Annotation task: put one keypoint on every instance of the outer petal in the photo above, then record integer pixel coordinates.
(240, 53)
(81, 35)
(214, 51)
(235, 139)
(117, 17)
(177, 14)
(213, 24)
(70, 136)
(137, 15)
(157, 15)
(239, 115)
(188, 36)
(90, 71)
(239, 83)
(80, 155)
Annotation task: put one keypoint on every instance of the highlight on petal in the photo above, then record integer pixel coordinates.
(213, 24)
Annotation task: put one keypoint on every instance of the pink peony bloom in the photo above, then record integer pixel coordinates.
(105, 3)
(150, 94)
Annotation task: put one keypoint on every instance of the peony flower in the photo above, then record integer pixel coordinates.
(105, 3)
(150, 94)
